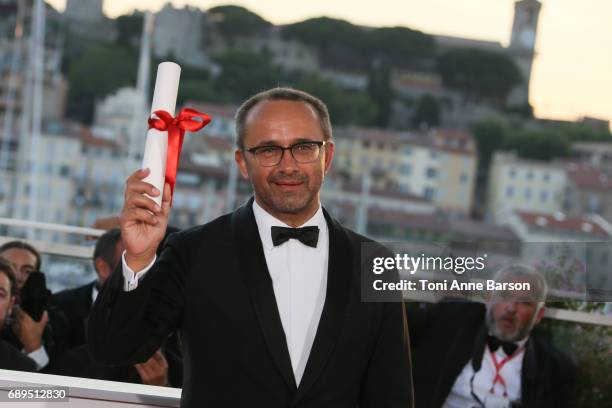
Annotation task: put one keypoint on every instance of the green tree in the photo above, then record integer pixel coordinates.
(100, 70)
(481, 75)
(345, 107)
(323, 32)
(236, 21)
(490, 135)
(380, 92)
(427, 112)
(244, 74)
(538, 144)
(129, 29)
(400, 44)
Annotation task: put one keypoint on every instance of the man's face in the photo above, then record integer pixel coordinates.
(6, 298)
(511, 318)
(289, 187)
(23, 262)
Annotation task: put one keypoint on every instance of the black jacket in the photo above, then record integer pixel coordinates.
(13, 359)
(213, 284)
(446, 336)
(77, 361)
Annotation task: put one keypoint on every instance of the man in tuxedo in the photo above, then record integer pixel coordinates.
(76, 304)
(10, 357)
(471, 355)
(267, 298)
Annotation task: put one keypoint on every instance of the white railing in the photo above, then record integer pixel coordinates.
(78, 251)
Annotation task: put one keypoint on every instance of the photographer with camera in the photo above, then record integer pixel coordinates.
(10, 357)
(37, 329)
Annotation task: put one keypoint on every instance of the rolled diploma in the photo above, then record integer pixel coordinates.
(156, 145)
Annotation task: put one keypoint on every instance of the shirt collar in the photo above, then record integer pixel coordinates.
(265, 222)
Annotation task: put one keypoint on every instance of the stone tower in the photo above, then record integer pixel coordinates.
(522, 46)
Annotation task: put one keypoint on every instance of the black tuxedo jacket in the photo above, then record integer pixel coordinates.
(446, 336)
(13, 359)
(213, 284)
(77, 361)
(76, 304)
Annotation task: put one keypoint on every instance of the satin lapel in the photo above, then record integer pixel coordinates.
(528, 375)
(254, 272)
(339, 272)
(84, 300)
(467, 345)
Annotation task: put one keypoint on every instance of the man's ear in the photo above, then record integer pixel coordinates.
(242, 165)
(11, 303)
(103, 269)
(329, 154)
(540, 314)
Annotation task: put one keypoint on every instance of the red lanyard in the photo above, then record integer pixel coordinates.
(498, 367)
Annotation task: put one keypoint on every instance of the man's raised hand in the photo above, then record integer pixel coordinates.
(143, 223)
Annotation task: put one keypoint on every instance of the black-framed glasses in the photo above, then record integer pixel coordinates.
(302, 152)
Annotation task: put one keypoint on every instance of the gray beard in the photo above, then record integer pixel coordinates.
(520, 334)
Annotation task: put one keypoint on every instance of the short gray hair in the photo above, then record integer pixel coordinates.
(281, 94)
(525, 273)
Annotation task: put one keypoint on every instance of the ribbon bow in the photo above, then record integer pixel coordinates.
(176, 127)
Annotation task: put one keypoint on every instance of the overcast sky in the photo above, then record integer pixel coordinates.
(572, 74)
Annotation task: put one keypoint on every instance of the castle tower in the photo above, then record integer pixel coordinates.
(522, 46)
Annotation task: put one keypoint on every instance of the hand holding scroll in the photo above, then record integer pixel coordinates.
(143, 222)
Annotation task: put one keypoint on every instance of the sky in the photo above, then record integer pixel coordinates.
(572, 73)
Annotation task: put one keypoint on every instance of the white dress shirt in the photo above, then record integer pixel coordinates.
(299, 280)
(40, 357)
(460, 395)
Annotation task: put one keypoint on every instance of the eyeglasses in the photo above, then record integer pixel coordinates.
(302, 152)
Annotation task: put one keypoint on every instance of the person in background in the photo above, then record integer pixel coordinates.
(42, 340)
(76, 303)
(473, 355)
(10, 357)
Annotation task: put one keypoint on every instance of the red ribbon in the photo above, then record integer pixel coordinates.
(176, 127)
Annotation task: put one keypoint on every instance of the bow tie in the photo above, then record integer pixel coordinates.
(306, 235)
(495, 343)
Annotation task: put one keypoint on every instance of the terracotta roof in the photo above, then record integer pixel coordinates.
(219, 143)
(382, 135)
(588, 177)
(90, 140)
(561, 222)
(455, 141)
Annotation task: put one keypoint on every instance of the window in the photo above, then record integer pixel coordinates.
(543, 196)
(509, 191)
(431, 172)
(530, 175)
(546, 176)
(512, 173)
(527, 194)
(64, 171)
(464, 178)
(593, 203)
(433, 154)
(405, 169)
(429, 193)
